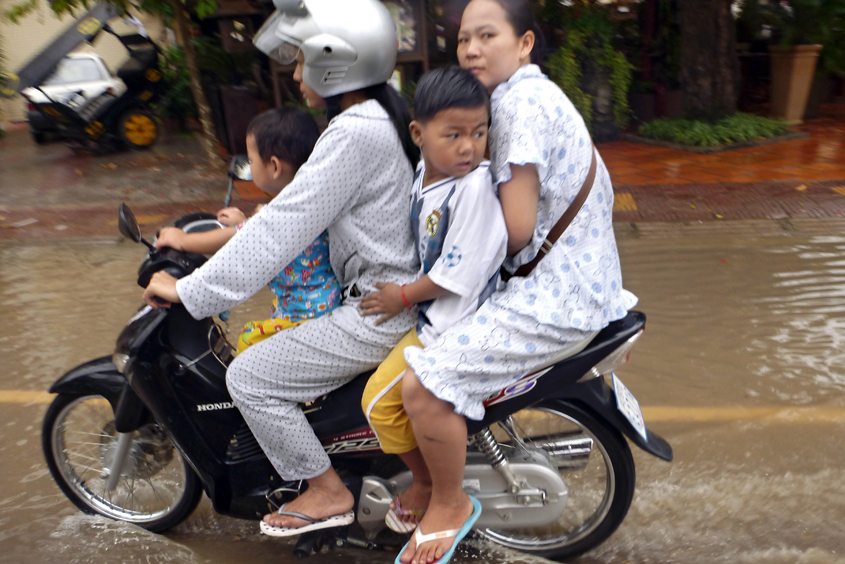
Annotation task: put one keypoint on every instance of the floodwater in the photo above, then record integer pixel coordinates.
(741, 368)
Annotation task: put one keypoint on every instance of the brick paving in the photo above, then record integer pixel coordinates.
(49, 192)
(789, 180)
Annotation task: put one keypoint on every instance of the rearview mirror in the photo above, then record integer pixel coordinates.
(240, 169)
(128, 224)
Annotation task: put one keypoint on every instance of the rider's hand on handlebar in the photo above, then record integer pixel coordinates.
(231, 217)
(161, 291)
(172, 237)
(388, 300)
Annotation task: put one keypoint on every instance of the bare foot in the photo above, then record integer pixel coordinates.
(439, 517)
(317, 502)
(415, 498)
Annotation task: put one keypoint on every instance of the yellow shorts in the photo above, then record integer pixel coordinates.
(256, 331)
(382, 400)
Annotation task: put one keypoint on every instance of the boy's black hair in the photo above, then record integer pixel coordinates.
(289, 134)
(448, 87)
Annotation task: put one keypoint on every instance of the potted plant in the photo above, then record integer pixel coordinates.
(802, 29)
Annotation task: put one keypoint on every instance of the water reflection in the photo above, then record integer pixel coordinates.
(739, 320)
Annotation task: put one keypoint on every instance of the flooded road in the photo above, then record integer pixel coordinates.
(741, 369)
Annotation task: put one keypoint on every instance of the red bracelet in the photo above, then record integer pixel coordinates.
(404, 299)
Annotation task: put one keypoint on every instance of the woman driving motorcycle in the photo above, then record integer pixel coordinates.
(356, 184)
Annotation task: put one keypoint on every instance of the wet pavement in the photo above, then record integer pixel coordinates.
(741, 367)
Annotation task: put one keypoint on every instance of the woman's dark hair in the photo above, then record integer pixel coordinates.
(448, 87)
(395, 107)
(289, 134)
(520, 15)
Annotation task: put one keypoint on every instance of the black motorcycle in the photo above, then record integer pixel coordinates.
(138, 436)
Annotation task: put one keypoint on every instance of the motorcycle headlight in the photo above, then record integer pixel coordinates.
(120, 360)
(140, 327)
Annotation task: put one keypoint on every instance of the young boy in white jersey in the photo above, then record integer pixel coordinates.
(461, 241)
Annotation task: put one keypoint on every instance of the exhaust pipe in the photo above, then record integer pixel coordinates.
(568, 450)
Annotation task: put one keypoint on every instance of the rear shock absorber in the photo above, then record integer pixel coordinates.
(486, 443)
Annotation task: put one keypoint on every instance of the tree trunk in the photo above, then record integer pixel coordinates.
(209, 140)
(709, 65)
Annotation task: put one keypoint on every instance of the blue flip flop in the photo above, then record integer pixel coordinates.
(459, 534)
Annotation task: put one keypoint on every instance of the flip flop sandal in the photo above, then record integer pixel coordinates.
(394, 520)
(339, 520)
(459, 534)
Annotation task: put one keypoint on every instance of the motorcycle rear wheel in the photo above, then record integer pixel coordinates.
(601, 486)
(157, 489)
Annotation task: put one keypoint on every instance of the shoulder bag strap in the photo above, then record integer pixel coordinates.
(564, 221)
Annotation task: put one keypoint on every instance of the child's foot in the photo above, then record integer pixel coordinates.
(411, 504)
(444, 517)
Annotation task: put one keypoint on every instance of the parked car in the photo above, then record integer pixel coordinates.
(78, 79)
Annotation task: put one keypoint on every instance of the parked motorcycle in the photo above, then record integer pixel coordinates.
(139, 435)
(100, 111)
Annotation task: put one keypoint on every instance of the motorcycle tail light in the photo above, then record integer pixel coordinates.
(30, 108)
(615, 359)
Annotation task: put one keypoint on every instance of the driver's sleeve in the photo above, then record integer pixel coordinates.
(325, 188)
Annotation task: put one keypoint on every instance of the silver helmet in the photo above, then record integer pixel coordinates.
(346, 44)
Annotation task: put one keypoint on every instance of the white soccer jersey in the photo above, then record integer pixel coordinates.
(461, 241)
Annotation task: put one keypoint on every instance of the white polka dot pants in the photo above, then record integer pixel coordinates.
(301, 364)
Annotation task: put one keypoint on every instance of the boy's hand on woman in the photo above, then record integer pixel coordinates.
(388, 301)
(172, 237)
(231, 217)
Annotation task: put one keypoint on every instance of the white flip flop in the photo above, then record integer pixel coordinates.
(339, 520)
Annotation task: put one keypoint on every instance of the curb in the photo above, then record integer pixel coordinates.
(791, 136)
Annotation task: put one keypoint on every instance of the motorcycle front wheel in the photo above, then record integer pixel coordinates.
(596, 464)
(157, 488)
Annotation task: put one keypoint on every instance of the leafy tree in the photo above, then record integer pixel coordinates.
(709, 65)
(175, 11)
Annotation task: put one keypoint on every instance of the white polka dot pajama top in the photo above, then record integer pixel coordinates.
(575, 291)
(357, 184)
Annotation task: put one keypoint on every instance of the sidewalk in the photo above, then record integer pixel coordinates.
(49, 192)
(793, 179)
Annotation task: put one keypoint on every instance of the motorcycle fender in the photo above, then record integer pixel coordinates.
(599, 399)
(99, 376)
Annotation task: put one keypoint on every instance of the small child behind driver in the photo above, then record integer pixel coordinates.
(461, 241)
(278, 142)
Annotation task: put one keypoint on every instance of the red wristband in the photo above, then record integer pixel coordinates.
(404, 299)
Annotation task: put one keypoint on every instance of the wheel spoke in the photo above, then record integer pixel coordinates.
(151, 488)
(592, 486)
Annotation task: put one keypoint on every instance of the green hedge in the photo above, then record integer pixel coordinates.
(735, 129)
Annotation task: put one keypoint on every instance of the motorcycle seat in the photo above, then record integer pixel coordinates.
(607, 340)
(132, 72)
